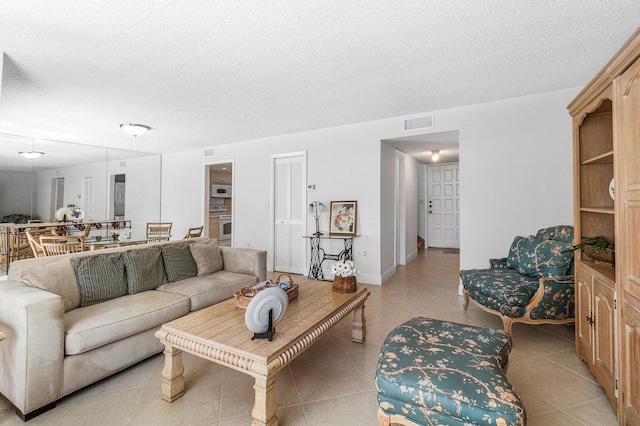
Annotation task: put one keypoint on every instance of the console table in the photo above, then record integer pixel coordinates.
(318, 255)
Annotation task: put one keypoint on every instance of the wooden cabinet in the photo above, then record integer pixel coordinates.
(606, 141)
(214, 226)
(630, 364)
(627, 148)
(595, 325)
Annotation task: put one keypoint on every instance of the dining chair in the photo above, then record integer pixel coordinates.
(158, 231)
(56, 245)
(194, 232)
(12, 247)
(33, 236)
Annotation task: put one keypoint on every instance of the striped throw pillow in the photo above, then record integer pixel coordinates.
(178, 262)
(100, 278)
(145, 270)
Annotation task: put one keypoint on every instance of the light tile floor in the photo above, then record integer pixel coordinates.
(332, 383)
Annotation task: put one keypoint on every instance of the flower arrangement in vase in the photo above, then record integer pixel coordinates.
(344, 280)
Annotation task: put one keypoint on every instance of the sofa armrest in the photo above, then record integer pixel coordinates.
(555, 299)
(31, 356)
(245, 261)
(498, 263)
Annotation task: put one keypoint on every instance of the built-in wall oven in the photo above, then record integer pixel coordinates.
(224, 236)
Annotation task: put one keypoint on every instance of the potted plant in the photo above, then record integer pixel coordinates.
(344, 280)
(600, 249)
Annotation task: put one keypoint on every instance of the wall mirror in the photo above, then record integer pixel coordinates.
(107, 183)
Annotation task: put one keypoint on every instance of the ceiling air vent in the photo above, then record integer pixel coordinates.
(425, 122)
(208, 152)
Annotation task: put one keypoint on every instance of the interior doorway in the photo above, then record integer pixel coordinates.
(429, 149)
(117, 197)
(218, 201)
(57, 196)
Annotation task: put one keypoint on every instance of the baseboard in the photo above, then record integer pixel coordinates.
(388, 273)
(411, 256)
(370, 279)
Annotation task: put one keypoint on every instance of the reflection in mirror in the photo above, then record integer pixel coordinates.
(133, 189)
(77, 175)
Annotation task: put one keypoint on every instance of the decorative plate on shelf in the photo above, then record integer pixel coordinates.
(60, 214)
(75, 214)
(257, 316)
(611, 189)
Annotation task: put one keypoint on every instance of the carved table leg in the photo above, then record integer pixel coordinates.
(172, 374)
(359, 325)
(265, 408)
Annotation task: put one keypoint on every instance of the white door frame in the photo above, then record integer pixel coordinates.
(400, 224)
(272, 205)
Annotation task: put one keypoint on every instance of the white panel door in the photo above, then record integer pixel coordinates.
(87, 200)
(289, 214)
(443, 206)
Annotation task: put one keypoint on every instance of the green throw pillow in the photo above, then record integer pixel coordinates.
(178, 262)
(145, 270)
(539, 258)
(100, 278)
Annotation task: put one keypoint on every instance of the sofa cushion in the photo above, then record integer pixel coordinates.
(101, 277)
(210, 289)
(502, 290)
(58, 277)
(178, 262)
(539, 258)
(207, 256)
(145, 269)
(97, 325)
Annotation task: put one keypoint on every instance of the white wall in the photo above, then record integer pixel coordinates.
(72, 188)
(15, 193)
(183, 191)
(411, 207)
(142, 194)
(516, 177)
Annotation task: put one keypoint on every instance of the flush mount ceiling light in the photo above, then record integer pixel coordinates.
(135, 129)
(31, 154)
(435, 155)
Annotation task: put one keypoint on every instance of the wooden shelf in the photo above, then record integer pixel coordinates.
(607, 157)
(606, 272)
(602, 210)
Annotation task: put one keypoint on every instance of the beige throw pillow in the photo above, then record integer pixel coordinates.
(57, 277)
(207, 256)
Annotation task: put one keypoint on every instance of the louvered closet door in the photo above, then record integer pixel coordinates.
(289, 213)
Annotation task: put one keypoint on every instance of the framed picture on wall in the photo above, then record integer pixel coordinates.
(342, 216)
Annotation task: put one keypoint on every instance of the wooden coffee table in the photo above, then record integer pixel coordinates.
(218, 333)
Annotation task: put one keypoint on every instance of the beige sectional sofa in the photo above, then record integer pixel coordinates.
(68, 334)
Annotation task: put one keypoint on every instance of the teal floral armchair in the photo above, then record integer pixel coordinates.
(533, 284)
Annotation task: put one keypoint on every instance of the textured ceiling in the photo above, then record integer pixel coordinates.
(207, 72)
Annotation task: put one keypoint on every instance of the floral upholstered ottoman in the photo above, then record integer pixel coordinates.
(433, 372)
